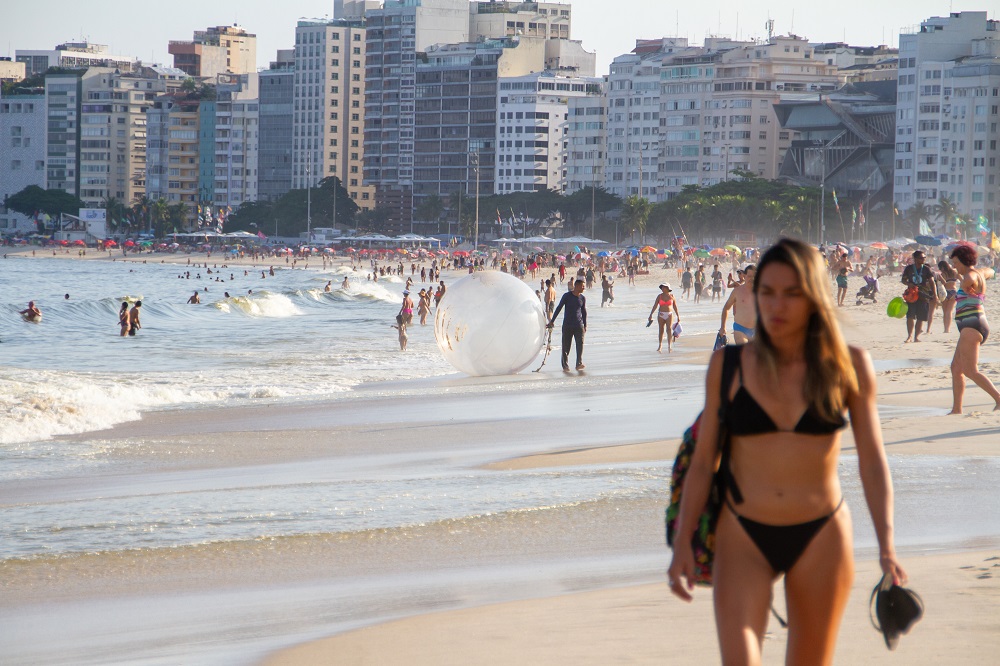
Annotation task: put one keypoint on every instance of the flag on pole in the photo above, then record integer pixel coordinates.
(925, 229)
(984, 225)
(994, 242)
(854, 218)
(836, 203)
(861, 215)
(260, 234)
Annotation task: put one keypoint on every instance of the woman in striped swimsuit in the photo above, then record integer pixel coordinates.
(973, 329)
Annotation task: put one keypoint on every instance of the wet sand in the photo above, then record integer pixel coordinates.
(576, 584)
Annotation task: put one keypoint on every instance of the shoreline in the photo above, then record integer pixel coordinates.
(580, 574)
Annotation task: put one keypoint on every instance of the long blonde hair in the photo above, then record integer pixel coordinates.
(830, 375)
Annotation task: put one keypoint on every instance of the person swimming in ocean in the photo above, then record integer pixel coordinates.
(133, 319)
(31, 313)
(123, 319)
(195, 298)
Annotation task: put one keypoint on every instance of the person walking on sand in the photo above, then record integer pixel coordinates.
(31, 313)
(195, 298)
(667, 305)
(133, 319)
(607, 291)
(841, 287)
(699, 283)
(783, 510)
(973, 329)
(950, 279)
(744, 306)
(123, 319)
(574, 325)
(550, 299)
(918, 275)
(686, 278)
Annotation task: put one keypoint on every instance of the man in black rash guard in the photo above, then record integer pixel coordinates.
(574, 323)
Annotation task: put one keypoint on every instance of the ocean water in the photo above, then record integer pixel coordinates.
(288, 339)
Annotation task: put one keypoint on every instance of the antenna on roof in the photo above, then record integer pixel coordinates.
(770, 28)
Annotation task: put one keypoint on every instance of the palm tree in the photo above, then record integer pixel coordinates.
(114, 211)
(917, 213)
(946, 211)
(159, 210)
(430, 208)
(140, 211)
(635, 214)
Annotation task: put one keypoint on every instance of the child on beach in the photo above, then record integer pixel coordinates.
(841, 287)
(400, 325)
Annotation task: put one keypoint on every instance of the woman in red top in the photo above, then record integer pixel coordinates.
(666, 302)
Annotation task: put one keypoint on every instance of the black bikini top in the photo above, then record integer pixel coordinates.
(745, 416)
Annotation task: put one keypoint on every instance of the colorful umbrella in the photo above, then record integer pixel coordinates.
(734, 248)
(928, 240)
(603, 253)
(717, 251)
(701, 253)
(879, 245)
(648, 248)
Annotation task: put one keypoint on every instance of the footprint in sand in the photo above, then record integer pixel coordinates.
(985, 575)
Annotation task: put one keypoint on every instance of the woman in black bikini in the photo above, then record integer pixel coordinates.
(784, 511)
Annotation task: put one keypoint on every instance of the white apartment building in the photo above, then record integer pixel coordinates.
(23, 123)
(549, 20)
(74, 55)
(947, 117)
(716, 111)
(237, 132)
(328, 117)
(586, 141)
(532, 119)
(633, 119)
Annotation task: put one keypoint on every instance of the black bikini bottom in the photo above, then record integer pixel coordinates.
(782, 545)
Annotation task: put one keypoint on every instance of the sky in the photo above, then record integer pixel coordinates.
(609, 27)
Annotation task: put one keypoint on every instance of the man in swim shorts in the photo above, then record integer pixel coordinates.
(918, 275)
(741, 302)
(31, 313)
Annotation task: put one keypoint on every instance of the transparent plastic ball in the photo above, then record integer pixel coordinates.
(489, 323)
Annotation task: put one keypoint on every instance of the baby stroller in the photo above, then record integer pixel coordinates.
(869, 290)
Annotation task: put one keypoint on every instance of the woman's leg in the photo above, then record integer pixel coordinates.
(957, 379)
(948, 311)
(669, 326)
(660, 323)
(816, 591)
(969, 341)
(742, 583)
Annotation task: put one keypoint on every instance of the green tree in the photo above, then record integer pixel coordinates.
(635, 214)
(114, 211)
(159, 210)
(33, 199)
(946, 211)
(430, 209)
(915, 213)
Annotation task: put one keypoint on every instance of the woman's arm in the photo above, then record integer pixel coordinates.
(872, 463)
(697, 483)
(675, 310)
(656, 303)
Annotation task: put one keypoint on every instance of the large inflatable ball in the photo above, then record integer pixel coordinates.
(490, 323)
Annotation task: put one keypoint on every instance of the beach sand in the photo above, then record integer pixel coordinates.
(574, 586)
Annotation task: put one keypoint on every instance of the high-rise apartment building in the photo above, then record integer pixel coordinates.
(237, 123)
(63, 102)
(328, 115)
(548, 20)
(586, 140)
(717, 108)
(112, 152)
(23, 130)
(532, 129)
(274, 149)
(396, 34)
(217, 50)
(947, 116)
(172, 166)
(633, 120)
(11, 71)
(74, 55)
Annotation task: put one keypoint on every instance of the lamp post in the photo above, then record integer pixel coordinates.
(822, 195)
(309, 198)
(725, 176)
(475, 165)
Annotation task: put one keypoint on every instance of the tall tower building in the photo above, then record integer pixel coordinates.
(396, 34)
(328, 112)
(586, 140)
(23, 130)
(947, 115)
(218, 50)
(274, 152)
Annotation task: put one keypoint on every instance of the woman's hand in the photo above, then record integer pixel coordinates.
(681, 571)
(891, 567)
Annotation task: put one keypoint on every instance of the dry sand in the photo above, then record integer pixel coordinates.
(645, 625)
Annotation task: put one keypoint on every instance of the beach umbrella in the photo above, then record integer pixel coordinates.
(603, 253)
(110, 243)
(129, 243)
(702, 253)
(581, 256)
(328, 249)
(733, 248)
(537, 249)
(350, 250)
(928, 240)
(78, 242)
(717, 251)
(879, 245)
(560, 257)
(461, 253)
(648, 248)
